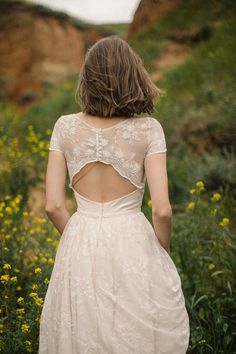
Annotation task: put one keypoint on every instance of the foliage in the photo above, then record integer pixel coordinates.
(186, 16)
(22, 155)
(204, 253)
(27, 247)
(217, 170)
(201, 90)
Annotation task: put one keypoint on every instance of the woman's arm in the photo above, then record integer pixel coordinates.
(55, 205)
(156, 173)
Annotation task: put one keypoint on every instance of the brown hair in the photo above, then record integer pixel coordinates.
(114, 82)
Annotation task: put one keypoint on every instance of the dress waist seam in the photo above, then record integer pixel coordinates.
(107, 215)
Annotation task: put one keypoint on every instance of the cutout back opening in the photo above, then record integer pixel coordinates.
(101, 182)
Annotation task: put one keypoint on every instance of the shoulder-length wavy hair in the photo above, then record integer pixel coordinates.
(113, 81)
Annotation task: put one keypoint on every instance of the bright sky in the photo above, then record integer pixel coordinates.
(95, 11)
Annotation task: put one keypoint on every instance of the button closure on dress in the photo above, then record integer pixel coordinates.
(99, 143)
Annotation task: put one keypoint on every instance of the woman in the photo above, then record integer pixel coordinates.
(114, 287)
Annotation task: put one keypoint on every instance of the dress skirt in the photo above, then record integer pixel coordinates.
(113, 288)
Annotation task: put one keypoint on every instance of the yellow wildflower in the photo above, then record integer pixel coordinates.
(25, 213)
(34, 286)
(8, 210)
(50, 260)
(14, 278)
(2, 205)
(216, 197)
(25, 328)
(213, 212)
(43, 259)
(18, 288)
(17, 200)
(224, 222)
(21, 311)
(191, 205)
(34, 295)
(46, 281)
(37, 270)
(149, 203)
(56, 243)
(41, 144)
(27, 342)
(20, 299)
(192, 191)
(41, 220)
(200, 185)
(39, 301)
(6, 266)
(1, 328)
(211, 266)
(42, 153)
(5, 278)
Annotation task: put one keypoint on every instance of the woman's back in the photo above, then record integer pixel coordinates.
(108, 162)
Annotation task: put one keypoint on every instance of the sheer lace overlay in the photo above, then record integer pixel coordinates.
(124, 145)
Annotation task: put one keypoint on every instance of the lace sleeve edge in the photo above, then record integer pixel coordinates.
(56, 150)
(156, 152)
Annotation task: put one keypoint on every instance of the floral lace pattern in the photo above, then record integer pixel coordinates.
(113, 289)
(124, 146)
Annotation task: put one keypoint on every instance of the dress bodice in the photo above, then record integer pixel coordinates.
(123, 145)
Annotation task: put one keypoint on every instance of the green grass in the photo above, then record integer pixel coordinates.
(188, 15)
(114, 28)
(201, 91)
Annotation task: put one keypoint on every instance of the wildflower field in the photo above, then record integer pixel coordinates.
(203, 249)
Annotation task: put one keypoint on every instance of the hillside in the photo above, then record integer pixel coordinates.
(39, 47)
(191, 58)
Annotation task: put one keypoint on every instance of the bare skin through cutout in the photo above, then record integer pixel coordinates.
(100, 182)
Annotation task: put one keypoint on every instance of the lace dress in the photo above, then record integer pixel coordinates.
(113, 288)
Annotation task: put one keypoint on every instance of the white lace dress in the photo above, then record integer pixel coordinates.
(113, 289)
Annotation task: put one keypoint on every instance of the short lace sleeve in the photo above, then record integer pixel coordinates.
(156, 138)
(55, 138)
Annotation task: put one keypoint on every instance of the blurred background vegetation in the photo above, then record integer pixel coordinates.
(190, 53)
